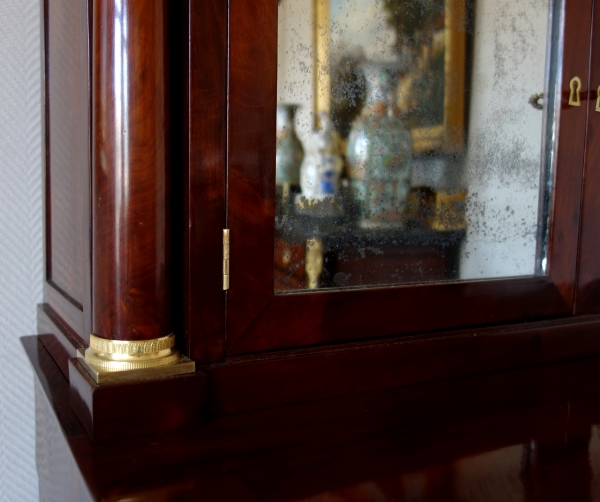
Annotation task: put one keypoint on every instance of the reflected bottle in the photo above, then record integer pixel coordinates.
(289, 154)
(379, 152)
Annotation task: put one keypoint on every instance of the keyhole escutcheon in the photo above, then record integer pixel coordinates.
(575, 86)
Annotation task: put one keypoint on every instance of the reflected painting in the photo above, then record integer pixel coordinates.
(423, 44)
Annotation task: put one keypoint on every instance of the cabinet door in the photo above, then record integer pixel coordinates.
(588, 289)
(444, 268)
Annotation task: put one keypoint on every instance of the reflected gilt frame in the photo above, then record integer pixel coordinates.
(447, 137)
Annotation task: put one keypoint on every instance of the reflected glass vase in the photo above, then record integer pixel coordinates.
(289, 151)
(380, 151)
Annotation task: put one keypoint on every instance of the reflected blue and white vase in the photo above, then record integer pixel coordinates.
(322, 167)
(380, 151)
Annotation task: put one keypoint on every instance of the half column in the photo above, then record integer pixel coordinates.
(131, 311)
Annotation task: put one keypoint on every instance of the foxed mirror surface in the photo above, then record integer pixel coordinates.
(413, 143)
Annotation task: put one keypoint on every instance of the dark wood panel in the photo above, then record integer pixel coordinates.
(507, 435)
(250, 383)
(131, 263)
(588, 292)
(311, 319)
(566, 206)
(257, 320)
(251, 161)
(57, 336)
(124, 410)
(66, 310)
(205, 146)
(67, 149)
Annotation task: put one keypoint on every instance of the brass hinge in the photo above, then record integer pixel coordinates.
(225, 259)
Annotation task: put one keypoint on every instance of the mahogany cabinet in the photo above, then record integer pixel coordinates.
(161, 134)
(527, 434)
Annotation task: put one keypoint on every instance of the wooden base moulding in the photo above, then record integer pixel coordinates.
(547, 413)
(129, 409)
(253, 382)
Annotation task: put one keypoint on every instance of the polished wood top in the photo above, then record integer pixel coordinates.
(526, 435)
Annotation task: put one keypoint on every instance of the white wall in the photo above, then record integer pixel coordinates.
(504, 138)
(20, 239)
(295, 69)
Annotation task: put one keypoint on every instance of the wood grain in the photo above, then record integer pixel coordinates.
(67, 163)
(205, 172)
(250, 383)
(258, 320)
(588, 289)
(568, 178)
(522, 434)
(251, 160)
(288, 320)
(125, 410)
(60, 340)
(131, 263)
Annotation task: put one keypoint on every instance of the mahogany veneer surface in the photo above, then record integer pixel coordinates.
(67, 284)
(522, 435)
(130, 257)
(205, 144)
(588, 293)
(257, 320)
(67, 162)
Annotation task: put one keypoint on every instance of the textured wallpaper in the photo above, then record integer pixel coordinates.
(20, 239)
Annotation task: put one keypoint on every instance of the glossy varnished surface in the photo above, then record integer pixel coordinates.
(123, 409)
(68, 140)
(130, 184)
(251, 383)
(57, 336)
(258, 320)
(251, 160)
(588, 293)
(67, 162)
(130, 409)
(526, 435)
(568, 175)
(205, 134)
(270, 380)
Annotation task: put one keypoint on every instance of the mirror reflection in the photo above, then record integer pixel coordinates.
(407, 147)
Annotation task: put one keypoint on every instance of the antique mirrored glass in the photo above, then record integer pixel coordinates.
(414, 141)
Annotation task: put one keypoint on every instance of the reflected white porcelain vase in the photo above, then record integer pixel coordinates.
(321, 170)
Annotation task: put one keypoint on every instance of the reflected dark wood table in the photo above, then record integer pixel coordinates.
(527, 435)
(353, 256)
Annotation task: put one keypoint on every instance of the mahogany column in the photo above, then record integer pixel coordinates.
(130, 266)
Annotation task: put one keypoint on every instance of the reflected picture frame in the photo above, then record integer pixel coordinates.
(446, 137)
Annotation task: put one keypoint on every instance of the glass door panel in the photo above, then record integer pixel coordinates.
(413, 143)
